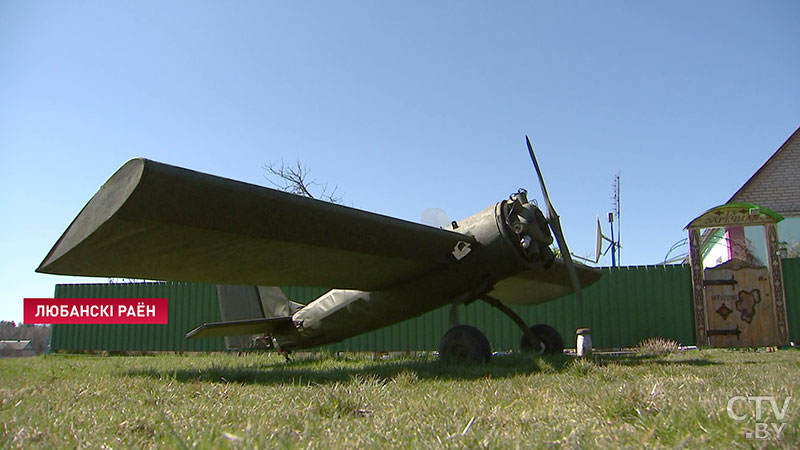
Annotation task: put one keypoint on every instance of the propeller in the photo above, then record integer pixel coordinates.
(435, 217)
(555, 225)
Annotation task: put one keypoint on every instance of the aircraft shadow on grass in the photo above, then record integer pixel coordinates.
(308, 371)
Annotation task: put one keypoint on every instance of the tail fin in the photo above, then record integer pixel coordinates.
(240, 303)
(274, 302)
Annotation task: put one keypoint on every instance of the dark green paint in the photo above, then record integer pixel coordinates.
(155, 221)
(791, 283)
(189, 305)
(627, 305)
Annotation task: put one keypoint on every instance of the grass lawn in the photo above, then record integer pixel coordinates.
(327, 401)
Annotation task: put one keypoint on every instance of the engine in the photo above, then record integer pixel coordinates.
(527, 225)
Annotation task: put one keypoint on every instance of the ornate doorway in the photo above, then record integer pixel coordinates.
(739, 302)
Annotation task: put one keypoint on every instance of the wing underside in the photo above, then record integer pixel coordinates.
(539, 286)
(155, 221)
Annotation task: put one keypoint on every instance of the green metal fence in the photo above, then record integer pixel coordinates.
(190, 304)
(791, 281)
(627, 305)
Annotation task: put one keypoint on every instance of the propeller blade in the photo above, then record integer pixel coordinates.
(435, 217)
(555, 225)
(550, 210)
(565, 254)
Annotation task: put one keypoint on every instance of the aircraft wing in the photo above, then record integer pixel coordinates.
(538, 286)
(160, 222)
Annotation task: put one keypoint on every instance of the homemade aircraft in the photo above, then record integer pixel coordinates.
(160, 222)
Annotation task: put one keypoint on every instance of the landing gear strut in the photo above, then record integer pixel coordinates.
(541, 338)
(467, 343)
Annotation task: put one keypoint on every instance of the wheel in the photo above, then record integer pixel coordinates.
(465, 343)
(549, 336)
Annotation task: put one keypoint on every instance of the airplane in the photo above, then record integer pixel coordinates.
(156, 221)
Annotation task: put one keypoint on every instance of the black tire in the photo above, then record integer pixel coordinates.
(464, 343)
(550, 337)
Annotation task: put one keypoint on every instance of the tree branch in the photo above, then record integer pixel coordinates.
(296, 179)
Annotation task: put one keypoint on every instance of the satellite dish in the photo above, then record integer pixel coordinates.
(598, 242)
(435, 217)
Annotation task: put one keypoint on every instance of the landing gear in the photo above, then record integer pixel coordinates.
(549, 337)
(465, 343)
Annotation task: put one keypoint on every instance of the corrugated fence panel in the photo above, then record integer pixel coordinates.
(190, 304)
(627, 305)
(791, 283)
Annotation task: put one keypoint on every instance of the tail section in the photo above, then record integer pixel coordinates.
(248, 312)
(274, 302)
(236, 329)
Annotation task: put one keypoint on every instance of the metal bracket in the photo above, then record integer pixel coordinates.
(466, 299)
(729, 332)
(732, 281)
(454, 315)
(461, 250)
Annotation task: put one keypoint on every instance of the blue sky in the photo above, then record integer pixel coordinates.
(404, 106)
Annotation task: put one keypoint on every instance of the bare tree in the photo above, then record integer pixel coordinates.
(296, 179)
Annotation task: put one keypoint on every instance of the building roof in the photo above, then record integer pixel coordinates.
(15, 344)
(776, 184)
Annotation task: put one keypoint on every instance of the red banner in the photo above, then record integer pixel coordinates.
(95, 310)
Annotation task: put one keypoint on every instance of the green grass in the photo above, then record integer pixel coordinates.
(323, 401)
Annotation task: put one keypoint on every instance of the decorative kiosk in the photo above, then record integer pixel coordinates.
(740, 301)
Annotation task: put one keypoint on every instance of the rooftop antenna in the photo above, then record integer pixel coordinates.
(616, 244)
(613, 244)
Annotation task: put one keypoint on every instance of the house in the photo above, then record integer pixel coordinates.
(776, 185)
(756, 229)
(16, 347)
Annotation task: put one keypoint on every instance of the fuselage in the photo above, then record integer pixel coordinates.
(510, 236)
